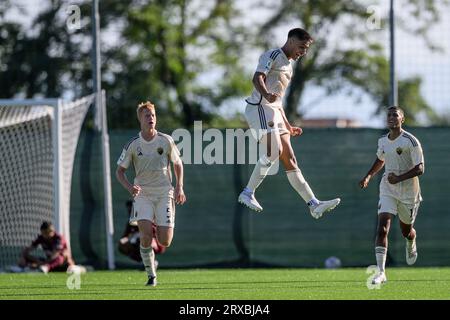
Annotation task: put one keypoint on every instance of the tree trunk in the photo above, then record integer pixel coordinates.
(187, 116)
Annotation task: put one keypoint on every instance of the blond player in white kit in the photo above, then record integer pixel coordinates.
(150, 154)
(266, 118)
(402, 157)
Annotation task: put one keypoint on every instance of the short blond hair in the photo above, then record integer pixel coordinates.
(144, 105)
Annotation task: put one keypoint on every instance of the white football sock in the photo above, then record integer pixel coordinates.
(260, 171)
(410, 243)
(380, 254)
(300, 185)
(148, 259)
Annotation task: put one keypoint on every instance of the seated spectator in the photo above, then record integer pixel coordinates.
(57, 255)
(129, 243)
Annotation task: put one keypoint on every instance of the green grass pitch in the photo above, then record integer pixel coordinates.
(232, 284)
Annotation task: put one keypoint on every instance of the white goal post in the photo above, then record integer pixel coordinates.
(38, 141)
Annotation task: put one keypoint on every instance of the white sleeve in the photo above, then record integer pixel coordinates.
(265, 63)
(174, 153)
(125, 158)
(417, 155)
(380, 150)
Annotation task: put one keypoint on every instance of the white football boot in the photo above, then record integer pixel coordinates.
(379, 278)
(249, 200)
(323, 207)
(411, 252)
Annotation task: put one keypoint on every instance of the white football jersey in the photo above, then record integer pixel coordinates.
(278, 70)
(400, 156)
(151, 162)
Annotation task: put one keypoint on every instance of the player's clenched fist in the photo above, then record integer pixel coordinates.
(296, 131)
(180, 197)
(271, 97)
(135, 190)
(364, 182)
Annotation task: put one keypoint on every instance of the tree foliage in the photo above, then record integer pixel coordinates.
(356, 58)
(44, 60)
(157, 50)
(186, 55)
(165, 48)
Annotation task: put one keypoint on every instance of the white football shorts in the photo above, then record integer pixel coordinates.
(406, 213)
(263, 119)
(158, 209)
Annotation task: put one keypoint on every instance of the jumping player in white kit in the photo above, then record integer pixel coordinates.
(266, 118)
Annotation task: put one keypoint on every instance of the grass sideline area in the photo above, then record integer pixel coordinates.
(231, 284)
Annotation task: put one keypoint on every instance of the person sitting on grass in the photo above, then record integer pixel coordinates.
(57, 254)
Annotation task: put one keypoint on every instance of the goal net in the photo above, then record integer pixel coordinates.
(38, 141)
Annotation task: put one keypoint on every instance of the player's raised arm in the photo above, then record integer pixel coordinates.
(260, 85)
(259, 79)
